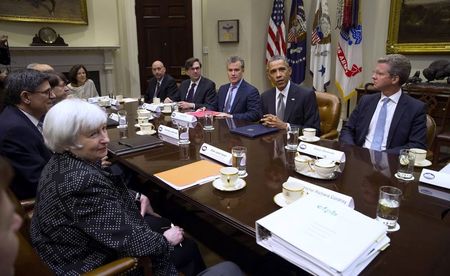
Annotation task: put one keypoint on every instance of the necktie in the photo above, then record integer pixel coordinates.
(379, 128)
(156, 89)
(280, 107)
(39, 126)
(227, 107)
(190, 95)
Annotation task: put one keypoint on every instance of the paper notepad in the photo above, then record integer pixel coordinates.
(196, 173)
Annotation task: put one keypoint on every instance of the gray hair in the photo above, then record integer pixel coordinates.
(234, 59)
(399, 66)
(68, 119)
(275, 58)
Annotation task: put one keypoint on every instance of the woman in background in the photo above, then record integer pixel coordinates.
(80, 86)
(58, 83)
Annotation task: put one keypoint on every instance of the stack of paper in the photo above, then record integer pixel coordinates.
(322, 236)
(196, 173)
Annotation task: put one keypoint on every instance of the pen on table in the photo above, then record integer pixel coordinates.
(125, 144)
(171, 225)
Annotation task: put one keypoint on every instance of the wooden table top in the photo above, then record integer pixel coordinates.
(420, 247)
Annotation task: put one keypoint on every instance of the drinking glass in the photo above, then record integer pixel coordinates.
(389, 206)
(292, 138)
(122, 117)
(183, 134)
(209, 122)
(239, 156)
(406, 160)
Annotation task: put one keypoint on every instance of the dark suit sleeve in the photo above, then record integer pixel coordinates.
(172, 89)
(311, 115)
(348, 131)
(27, 158)
(418, 130)
(253, 112)
(210, 98)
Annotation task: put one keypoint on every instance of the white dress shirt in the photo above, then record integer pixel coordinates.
(391, 106)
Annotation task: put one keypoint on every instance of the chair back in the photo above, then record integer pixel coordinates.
(27, 261)
(431, 131)
(330, 112)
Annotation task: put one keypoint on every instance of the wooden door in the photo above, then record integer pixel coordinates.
(164, 33)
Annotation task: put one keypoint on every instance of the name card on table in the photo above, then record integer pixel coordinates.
(216, 154)
(183, 117)
(317, 190)
(321, 152)
(168, 131)
(152, 107)
(114, 116)
(439, 179)
(114, 102)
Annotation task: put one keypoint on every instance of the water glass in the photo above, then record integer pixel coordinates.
(122, 117)
(209, 122)
(292, 138)
(239, 156)
(123, 131)
(389, 206)
(406, 160)
(183, 134)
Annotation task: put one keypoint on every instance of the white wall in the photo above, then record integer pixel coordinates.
(112, 23)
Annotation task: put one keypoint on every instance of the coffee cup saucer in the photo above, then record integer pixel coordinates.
(280, 200)
(218, 184)
(166, 111)
(307, 139)
(140, 132)
(402, 178)
(424, 163)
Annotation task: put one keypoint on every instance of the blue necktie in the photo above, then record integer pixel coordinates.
(190, 95)
(227, 107)
(379, 128)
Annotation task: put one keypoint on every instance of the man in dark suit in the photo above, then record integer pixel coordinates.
(288, 104)
(162, 85)
(238, 99)
(198, 91)
(28, 98)
(390, 120)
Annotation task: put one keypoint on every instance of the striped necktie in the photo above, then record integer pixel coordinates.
(190, 95)
(227, 107)
(280, 107)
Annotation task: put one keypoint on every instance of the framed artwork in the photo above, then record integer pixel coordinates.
(419, 27)
(228, 31)
(48, 11)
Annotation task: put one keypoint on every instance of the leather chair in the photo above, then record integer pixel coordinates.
(28, 261)
(443, 135)
(431, 133)
(330, 113)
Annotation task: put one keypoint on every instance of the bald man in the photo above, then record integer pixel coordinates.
(162, 85)
(41, 67)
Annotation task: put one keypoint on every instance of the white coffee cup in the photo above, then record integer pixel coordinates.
(144, 113)
(324, 167)
(420, 154)
(104, 101)
(147, 127)
(156, 100)
(229, 176)
(167, 108)
(292, 191)
(119, 98)
(142, 120)
(309, 132)
(302, 162)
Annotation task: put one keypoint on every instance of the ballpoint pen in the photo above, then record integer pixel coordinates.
(171, 225)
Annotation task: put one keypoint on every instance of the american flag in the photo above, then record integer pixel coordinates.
(276, 43)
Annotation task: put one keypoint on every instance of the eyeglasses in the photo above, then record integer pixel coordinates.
(48, 92)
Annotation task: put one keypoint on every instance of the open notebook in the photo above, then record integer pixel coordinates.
(134, 144)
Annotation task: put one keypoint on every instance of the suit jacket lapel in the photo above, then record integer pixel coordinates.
(368, 115)
(398, 113)
(198, 91)
(290, 102)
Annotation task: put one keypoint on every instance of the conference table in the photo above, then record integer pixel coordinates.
(420, 247)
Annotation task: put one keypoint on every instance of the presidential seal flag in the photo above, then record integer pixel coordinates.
(296, 42)
(276, 37)
(349, 56)
(320, 62)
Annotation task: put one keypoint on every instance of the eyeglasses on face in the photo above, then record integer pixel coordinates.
(47, 92)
